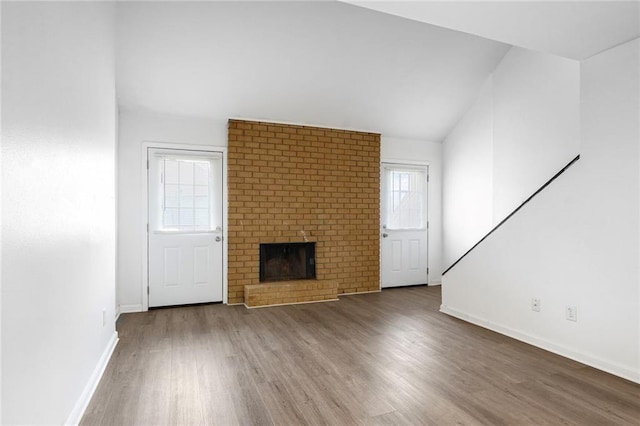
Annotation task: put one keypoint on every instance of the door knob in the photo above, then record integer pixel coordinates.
(385, 235)
(218, 239)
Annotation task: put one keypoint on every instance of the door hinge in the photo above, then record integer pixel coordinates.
(147, 228)
(427, 271)
(427, 225)
(147, 164)
(147, 290)
(427, 178)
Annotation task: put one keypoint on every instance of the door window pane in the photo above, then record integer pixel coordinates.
(201, 217)
(171, 171)
(186, 196)
(170, 218)
(202, 202)
(406, 190)
(171, 195)
(186, 186)
(186, 218)
(186, 172)
(201, 173)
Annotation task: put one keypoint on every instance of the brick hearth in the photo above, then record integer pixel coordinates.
(288, 292)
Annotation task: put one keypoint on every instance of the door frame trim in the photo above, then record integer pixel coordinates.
(144, 216)
(397, 162)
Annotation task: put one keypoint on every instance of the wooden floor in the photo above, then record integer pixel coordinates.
(382, 358)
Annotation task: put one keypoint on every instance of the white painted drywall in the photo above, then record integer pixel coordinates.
(468, 178)
(576, 243)
(536, 119)
(409, 151)
(58, 194)
(523, 128)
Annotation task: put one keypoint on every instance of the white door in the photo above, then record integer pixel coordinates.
(185, 227)
(404, 230)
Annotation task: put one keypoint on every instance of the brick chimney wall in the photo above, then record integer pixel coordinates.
(286, 180)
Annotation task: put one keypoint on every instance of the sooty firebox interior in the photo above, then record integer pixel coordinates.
(287, 261)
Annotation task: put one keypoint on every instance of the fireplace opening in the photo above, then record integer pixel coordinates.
(287, 261)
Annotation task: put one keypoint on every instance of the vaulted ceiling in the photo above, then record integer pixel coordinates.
(323, 63)
(575, 29)
(342, 65)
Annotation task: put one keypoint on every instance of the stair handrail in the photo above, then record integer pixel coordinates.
(539, 190)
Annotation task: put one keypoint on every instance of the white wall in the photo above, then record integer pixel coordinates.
(468, 178)
(135, 128)
(522, 129)
(576, 243)
(58, 194)
(425, 152)
(536, 122)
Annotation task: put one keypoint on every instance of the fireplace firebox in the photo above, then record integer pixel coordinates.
(287, 261)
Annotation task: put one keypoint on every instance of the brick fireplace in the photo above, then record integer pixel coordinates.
(289, 184)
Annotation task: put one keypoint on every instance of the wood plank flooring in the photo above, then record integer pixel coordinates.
(382, 358)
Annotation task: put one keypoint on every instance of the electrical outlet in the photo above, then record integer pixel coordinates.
(535, 305)
(572, 313)
(104, 317)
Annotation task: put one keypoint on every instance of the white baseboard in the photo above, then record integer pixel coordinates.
(83, 402)
(126, 309)
(434, 283)
(595, 362)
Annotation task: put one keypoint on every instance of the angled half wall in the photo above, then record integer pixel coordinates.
(576, 244)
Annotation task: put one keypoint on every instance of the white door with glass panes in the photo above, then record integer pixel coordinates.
(185, 227)
(404, 233)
